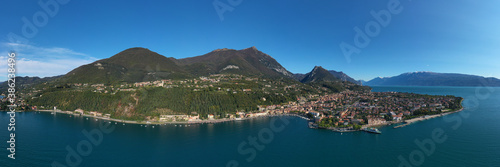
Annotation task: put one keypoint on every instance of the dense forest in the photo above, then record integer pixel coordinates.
(153, 101)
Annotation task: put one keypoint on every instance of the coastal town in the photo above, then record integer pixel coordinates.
(344, 111)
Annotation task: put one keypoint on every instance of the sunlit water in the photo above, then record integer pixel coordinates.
(472, 138)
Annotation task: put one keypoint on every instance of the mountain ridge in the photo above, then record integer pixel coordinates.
(141, 64)
(319, 74)
(248, 61)
(26, 81)
(426, 78)
(338, 74)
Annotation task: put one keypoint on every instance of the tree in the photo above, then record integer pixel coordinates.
(357, 127)
(310, 116)
(388, 118)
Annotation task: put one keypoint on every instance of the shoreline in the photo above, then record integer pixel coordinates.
(160, 123)
(340, 130)
(405, 122)
(426, 117)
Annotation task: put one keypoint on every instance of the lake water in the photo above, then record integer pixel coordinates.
(468, 138)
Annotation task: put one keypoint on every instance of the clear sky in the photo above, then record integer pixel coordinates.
(452, 36)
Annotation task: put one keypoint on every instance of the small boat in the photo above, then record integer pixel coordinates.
(372, 130)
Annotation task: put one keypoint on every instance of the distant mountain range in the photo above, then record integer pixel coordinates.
(23, 82)
(433, 79)
(141, 64)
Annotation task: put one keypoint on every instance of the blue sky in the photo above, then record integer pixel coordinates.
(442, 36)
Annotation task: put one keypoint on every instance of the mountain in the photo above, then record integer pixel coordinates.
(434, 79)
(141, 64)
(131, 65)
(249, 61)
(339, 75)
(344, 77)
(22, 82)
(319, 74)
(323, 79)
(299, 76)
(265, 82)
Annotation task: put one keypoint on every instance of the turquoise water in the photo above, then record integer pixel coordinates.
(42, 139)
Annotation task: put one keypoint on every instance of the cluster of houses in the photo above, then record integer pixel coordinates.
(351, 107)
(347, 107)
(195, 118)
(91, 113)
(197, 84)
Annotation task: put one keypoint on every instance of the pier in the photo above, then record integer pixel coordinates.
(402, 125)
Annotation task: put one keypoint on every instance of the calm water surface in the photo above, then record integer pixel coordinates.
(472, 139)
